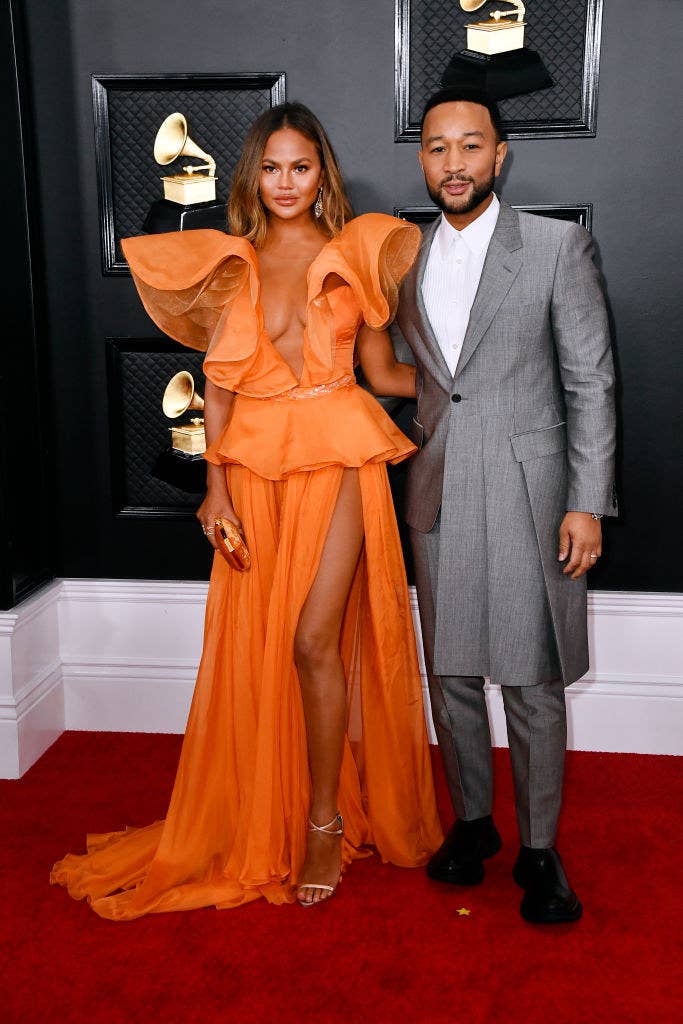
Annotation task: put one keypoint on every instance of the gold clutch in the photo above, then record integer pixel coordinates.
(231, 545)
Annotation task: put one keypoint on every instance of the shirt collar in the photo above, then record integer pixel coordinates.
(476, 235)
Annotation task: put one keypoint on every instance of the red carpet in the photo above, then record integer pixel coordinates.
(390, 947)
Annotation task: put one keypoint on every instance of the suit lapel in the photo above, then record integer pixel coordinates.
(501, 266)
(420, 317)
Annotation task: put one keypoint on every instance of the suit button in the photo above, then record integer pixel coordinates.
(456, 398)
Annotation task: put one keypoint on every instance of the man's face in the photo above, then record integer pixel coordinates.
(460, 156)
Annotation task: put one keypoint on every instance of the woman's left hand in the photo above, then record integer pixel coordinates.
(382, 371)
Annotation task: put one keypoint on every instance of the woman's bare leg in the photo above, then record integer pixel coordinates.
(321, 675)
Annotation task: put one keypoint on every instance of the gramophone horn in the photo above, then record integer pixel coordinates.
(173, 141)
(470, 5)
(180, 395)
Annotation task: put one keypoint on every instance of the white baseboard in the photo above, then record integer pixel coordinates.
(31, 688)
(128, 695)
(122, 655)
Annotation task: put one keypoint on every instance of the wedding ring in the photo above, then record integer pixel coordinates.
(594, 556)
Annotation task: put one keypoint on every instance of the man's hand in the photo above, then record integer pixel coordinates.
(580, 543)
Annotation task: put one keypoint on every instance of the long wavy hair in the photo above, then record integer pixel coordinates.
(247, 215)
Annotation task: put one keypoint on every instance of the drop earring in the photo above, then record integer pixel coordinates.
(318, 208)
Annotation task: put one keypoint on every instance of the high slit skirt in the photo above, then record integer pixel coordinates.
(237, 820)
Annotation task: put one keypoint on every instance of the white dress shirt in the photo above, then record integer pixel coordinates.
(451, 278)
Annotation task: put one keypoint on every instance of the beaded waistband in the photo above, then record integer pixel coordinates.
(320, 389)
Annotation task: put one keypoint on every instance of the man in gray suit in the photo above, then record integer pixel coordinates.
(515, 425)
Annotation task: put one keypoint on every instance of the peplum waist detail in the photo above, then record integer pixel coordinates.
(308, 428)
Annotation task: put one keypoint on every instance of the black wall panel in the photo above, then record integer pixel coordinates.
(339, 58)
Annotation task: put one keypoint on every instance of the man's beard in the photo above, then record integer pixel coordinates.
(456, 204)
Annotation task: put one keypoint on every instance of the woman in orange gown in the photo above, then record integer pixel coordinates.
(306, 744)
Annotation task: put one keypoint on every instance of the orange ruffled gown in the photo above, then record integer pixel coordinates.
(236, 824)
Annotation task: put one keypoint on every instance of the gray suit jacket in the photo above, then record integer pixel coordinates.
(523, 432)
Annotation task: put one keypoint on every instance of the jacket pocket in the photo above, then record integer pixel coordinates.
(534, 444)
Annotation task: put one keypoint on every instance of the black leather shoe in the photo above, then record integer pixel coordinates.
(548, 898)
(460, 858)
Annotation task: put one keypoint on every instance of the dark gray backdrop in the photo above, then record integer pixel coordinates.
(339, 58)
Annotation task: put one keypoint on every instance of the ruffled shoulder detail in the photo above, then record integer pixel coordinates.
(201, 288)
(373, 254)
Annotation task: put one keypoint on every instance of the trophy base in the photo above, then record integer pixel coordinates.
(189, 439)
(491, 37)
(501, 75)
(167, 216)
(189, 189)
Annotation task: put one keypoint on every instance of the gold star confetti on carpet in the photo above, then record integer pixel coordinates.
(463, 912)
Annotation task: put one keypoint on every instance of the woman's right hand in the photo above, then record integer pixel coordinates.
(216, 505)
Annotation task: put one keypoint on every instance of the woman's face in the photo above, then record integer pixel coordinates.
(291, 174)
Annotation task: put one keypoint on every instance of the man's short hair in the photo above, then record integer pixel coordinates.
(458, 94)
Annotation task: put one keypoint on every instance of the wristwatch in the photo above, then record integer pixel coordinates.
(596, 515)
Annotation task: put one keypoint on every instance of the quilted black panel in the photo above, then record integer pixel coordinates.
(142, 462)
(555, 28)
(217, 121)
(128, 114)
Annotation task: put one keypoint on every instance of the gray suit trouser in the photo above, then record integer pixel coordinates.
(536, 722)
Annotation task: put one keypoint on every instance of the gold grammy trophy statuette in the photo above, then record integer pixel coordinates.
(180, 397)
(189, 196)
(193, 185)
(496, 60)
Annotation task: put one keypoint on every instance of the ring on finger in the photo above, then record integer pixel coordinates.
(594, 556)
